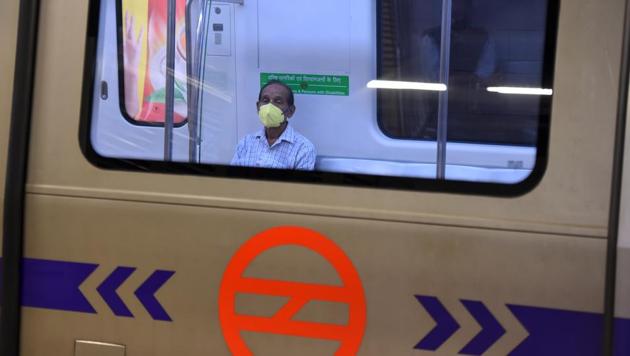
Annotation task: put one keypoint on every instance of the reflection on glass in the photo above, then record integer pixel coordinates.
(494, 43)
(520, 91)
(391, 84)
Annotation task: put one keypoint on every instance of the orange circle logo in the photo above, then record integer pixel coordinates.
(351, 293)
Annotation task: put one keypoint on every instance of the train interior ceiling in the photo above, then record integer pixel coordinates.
(337, 72)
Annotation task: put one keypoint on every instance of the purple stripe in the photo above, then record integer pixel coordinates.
(622, 337)
(559, 332)
(55, 285)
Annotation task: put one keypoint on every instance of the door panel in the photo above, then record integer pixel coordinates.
(583, 187)
(395, 261)
(8, 35)
(545, 249)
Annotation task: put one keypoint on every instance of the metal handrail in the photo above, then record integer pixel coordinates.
(197, 22)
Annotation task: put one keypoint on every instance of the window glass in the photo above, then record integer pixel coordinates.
(143, 34)
(391, 93)
(493, 44)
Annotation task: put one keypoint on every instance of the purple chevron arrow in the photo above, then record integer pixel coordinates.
(108, 288)
(146, 294)
(445, 328)
(491, 330)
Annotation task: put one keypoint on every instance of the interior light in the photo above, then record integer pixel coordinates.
(389, 84)
(520, 91)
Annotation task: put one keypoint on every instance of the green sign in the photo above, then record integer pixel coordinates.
(312, 84)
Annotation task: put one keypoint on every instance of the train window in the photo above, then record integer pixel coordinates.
(490, 66)
(142, 27)
(333, 91)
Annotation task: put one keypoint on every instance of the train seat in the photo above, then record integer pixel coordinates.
(419, 170)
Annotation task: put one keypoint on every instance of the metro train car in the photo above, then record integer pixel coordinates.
(333, 177)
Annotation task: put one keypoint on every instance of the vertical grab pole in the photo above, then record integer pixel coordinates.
(202, 40)
(170, 82)
(445, 61)
(191, 21)
(193, 18)
(197, 15)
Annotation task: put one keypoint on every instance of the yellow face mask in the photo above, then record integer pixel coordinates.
(270, 115)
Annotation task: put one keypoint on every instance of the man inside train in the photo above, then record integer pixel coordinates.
(277, 144)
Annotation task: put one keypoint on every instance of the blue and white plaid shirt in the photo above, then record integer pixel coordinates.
(290, 151)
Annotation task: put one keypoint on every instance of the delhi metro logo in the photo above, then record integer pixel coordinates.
(300, 294)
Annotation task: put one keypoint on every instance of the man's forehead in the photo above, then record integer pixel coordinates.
(275, 90)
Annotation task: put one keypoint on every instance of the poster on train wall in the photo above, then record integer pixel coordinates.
(144, 41)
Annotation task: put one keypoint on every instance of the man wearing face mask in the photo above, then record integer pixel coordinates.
(277, 144)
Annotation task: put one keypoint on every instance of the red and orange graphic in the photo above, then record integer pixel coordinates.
(350, 292)
(144, 53)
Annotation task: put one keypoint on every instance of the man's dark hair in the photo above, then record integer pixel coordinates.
(290, 99)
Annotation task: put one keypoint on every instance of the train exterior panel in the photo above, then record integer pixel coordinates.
(162, 264)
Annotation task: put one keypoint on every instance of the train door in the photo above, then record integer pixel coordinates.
(7, 58)
(619, 249)
(130, 251)
(8, 31)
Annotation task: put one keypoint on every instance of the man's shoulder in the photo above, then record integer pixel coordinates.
(299, 138)
(305, 146)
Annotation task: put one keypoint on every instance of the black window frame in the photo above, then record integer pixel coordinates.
(352, 180)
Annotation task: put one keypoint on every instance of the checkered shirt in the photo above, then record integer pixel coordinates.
(290, 151)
